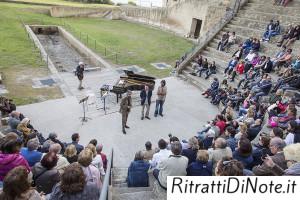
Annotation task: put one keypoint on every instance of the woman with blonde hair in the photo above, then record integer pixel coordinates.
(97, 159)
(243, 131)
(191, 151)
(91, 172)
(23, 127)
(71, 153)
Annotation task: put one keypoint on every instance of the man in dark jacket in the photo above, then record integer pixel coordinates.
(75, 142)
(146, 95)
(293, 85)
(253, 131)
(79, 74)
(268, 66)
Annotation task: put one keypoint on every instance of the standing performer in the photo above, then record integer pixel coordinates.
(125, 107)
(161, 97)
(79, 74)
(146, 95)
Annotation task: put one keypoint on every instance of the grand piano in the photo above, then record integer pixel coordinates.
(131, 81)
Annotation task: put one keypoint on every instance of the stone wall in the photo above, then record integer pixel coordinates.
(68, 11)
(178, 17)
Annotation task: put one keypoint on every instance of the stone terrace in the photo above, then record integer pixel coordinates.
(250, 21)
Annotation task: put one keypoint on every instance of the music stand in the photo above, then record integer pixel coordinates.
(103, 96)
(84, 104)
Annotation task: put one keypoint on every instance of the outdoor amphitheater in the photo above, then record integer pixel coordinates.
(105, 99)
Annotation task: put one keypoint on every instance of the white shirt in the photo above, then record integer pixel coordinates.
(97, 162)
(159, 156)
(250, 57)
(289, 139)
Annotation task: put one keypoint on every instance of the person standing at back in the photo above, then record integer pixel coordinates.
(79, 74)
(146, 95)
(161, 97)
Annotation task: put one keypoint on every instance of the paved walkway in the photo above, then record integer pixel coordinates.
(185, 112)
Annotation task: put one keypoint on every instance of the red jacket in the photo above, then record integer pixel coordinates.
(240, 68)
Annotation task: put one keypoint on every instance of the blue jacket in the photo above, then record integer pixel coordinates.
(214, 85)
(199, 168)
(247, 161)
(138, 174)
(144, 96)
(32, 157)
(232, 143)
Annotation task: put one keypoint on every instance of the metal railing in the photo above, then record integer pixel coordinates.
(107, 179)
(210, 34)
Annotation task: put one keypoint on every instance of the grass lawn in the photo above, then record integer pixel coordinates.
(136, 44)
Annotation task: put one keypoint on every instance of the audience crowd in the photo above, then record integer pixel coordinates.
(33, 167)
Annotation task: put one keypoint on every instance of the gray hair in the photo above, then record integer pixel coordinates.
(278, 143)
(55, 148)
(99, 148)
(220, 143)
(194, 144)
(33, 144)
(139, 156)
(176, 148)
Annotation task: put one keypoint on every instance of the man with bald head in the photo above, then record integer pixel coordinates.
(220, 151)
(276, 147)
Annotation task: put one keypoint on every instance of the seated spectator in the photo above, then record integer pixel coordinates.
(148, 152)
(255, 45)
(260, 63)
(292, 38)
(191, 151)
(45, 176)
(138, 172)
(75, 141)
(7, 106)
(282, 121)
(163, 154)
(272, 30)
(227, 167)
(261, 149)
(231, 41)
(200, 167)
(220, 123)
(231, 65)
(91, 172)
(97, 160)
(99, 148)
(247, 45)
(230, 138)
(238, 53)
(30, 152)
(93, 142)
(267, 66)
(219, 151)
(291, 154)
(175, 165)
(14, 121)
(293, 135)
(213, 89)
(211, 69)
(224, 40)
(289, 32)
(23, 128)
(71, 153)
(197, 63)
(276, 147)
(279, 54)
(73, 185)
(243, 131)
(295, 66)
(254, 129)
(239, 69)
(203, 68)
(263, 88)
(251, 60)
(62, 162)
(244, 153)
(10, 156)
(53, 138)
(292, 85)
(17, 186)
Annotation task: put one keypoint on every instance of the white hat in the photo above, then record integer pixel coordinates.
(80, 63)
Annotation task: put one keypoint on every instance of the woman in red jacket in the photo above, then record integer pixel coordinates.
(239, 69)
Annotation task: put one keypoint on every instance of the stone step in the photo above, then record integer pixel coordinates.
(266, 17)
(240, 30)
(122, 190)
(146, 195)
(273, 9)
(270, 2)
(253, 11)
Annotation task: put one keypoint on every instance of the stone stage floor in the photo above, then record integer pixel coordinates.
(185, 112)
